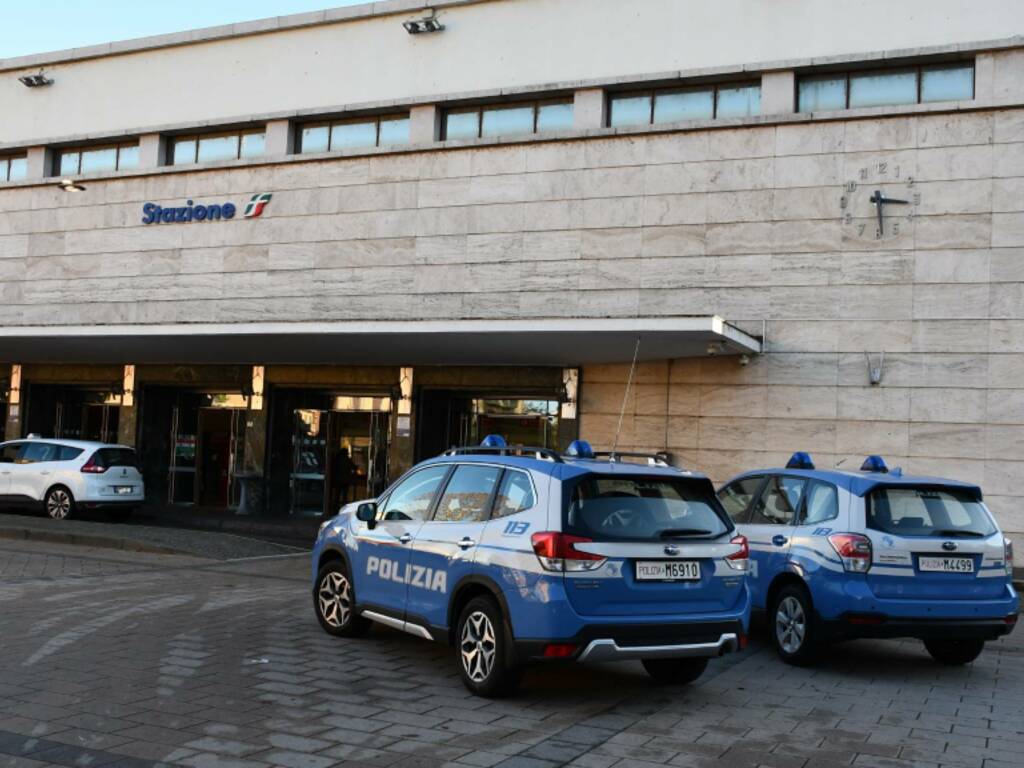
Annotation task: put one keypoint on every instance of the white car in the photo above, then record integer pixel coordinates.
(61, 476)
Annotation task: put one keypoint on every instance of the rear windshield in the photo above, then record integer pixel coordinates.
(115, 457)
(638, 508)
(928, 512)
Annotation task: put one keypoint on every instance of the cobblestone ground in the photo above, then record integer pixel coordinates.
(118, 659)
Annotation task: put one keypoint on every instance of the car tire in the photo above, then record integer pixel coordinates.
(793, 628)
(954, 653)
(334, 600)
(674, 671)
(485, 654)
(59, 504)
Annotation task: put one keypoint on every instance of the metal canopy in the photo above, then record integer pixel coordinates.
(555, 341)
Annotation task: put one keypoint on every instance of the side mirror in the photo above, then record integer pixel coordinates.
(367, 513)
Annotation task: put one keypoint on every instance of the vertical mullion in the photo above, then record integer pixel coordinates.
(650, 116)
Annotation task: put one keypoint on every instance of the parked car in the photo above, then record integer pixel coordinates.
(516, 555)
(875, 553)
(63, 476)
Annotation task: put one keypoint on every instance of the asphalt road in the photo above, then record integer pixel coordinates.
(115, 658)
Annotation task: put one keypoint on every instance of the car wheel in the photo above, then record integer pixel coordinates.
(954, 653)
(675, 671)
(792, 626)
(334, 600)
(59, 504)
(485, 648)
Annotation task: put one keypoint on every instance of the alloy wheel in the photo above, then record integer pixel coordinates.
(790, 624)
(335, 599)
(58, 504)
(478, 646)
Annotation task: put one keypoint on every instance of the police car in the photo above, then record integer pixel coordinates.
(515, 554)
(838, 555)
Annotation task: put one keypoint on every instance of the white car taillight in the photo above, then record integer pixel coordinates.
(557, 552)
(1008, 556)
(739, 561)
(853, 549)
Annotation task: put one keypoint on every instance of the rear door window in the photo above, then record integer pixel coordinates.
(641, 509)
(928, 511)
(736, 497)
(780, 501)
(822, 503)
(467, 498)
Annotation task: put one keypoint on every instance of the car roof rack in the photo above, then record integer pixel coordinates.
(616, 457)
(526, 451)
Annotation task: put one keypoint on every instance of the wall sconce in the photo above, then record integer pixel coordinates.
(14, 398)
(128, 387)
(256, 399)
(571, 384)
(405, 385)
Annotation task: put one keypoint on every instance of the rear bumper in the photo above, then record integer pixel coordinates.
(854, 626)
(609, 650)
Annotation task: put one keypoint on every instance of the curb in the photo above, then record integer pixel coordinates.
(86, 540)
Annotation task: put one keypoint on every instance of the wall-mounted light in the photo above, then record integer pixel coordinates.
(571, 385)
(256, 399)
(14, 397)
(128, 387)
(35, 81)
(405, 386)
(69, 186)
(426, 24)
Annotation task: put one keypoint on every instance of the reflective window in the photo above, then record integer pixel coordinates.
(947, 84)
(315, 138)
(554, 116)
(508, 119)
(630, 110)
(67, 453)
(98, 159)
(394, 130)
(253, 145)
(462, 125)
(9, 452)
(468, 494)
(184, 151)
(515, 494)
(671, 107)
(36, 453)
(412, 498)
(214, 147)
(13, 168)
(779, 501)
(822, 503)
(742, 101)
(736, 497)
(819, 94)
(879, 89)
(928, 511)
(355, 133)
(128, 157)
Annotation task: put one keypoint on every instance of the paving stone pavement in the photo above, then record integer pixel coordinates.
(129, 660)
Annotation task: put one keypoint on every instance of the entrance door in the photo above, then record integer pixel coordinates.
(215, 443)
(181, 476)
(308, 479)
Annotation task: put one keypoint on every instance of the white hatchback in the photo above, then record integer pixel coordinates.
(61, 476)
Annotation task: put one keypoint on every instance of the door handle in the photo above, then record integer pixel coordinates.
(779, 540)
(405, 538)
(45, 472)
(466, 543)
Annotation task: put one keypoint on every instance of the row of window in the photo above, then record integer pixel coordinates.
(13, 167)
(672, 105)
(468, 496)
(211, 147)
(921, 85)
(117, 157)
(782, 501)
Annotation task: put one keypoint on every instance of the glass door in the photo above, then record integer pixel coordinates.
(309, 463)
(181, 480)
(236, 462)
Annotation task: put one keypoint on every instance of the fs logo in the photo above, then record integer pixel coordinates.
(254, 208)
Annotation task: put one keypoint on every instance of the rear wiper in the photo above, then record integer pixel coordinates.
(679, 533)
(955, 532)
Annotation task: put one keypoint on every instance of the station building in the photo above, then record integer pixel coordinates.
(286, 259)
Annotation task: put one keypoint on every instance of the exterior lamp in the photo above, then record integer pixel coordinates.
(426, 24)
(14, 398)
(256, 400)
(128, 387)
(69, 186)
(35, 81)
(405, 386)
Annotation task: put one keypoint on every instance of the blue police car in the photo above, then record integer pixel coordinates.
(837, 555)
(515, 554)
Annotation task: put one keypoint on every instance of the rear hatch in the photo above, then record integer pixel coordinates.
(116, 471)
(932, 542)
(665, 540)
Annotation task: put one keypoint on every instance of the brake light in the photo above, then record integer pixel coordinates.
(92, 468)
(557, 552)
(853, 549)
(559, 650)
(1008, 556)
(739, 561)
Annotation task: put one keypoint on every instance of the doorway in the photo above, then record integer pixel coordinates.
(73, 413)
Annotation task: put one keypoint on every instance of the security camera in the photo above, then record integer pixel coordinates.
(744, 360)
(715, 348)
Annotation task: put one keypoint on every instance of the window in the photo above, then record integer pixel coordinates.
(36, 453)
(909, 511)
(676, 104)
(508, 119)
(13, 168)
(947, 82)
(67, 453)
(376, 131)
(468, 495)
(515, 494)
(114, 157)
(822, 503)
(412, 498)
(9, 453)
(736, 497)
(779, 501)
(211, 148)
(105, 458)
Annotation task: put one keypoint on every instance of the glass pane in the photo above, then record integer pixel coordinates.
(952, 84)
(411, 500)
(509, 121)
(739, 102)
(69, 163)
(344, 135)
(736, 497)
(394, 131)
(19, 168)
(779, 501)
(315, 138)
(630, 110)
(95, 160)
(554, 117)
(254, 144)
(212, 148)
(909, 511)
(3, 169)
(822, 93)
(881, 89)
(822, 504)
(689, 105)
(461, 125)
(515, 495)
(466, 498)
(184, 151)
(128, 157)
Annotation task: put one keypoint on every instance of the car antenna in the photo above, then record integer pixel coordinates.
(625, 396)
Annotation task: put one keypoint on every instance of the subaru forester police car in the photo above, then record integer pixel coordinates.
(838, 555)
(516, 554)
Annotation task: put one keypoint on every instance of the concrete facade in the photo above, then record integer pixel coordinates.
(765, 221)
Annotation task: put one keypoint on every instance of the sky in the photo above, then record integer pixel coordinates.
(38, 26)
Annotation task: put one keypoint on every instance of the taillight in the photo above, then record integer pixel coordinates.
(740, 560)
(853, 549)
(557, 552)
(1008, 556)
(92, 468)
(559, 650)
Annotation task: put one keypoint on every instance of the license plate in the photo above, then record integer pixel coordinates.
(667, 570)
(123, 490)
(946, 564)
